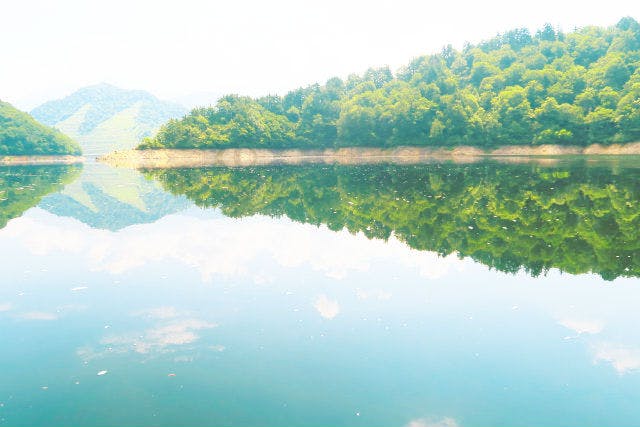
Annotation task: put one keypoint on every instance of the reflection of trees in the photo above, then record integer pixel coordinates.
(575, 218)
(22, 187)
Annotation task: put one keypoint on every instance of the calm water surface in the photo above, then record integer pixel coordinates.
(487, 294)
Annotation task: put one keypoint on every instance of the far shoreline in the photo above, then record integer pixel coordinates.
(175, 158)
(40, 160)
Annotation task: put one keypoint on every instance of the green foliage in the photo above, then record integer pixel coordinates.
(517, 88)
(21, 135)
(577, 217)
(22, 187)
(234, 122)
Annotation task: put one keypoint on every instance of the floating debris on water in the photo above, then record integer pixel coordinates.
(102, 373)
(79, 288)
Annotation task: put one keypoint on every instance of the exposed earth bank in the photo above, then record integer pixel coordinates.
(168, 158)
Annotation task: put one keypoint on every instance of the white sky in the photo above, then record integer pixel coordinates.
(173, 48)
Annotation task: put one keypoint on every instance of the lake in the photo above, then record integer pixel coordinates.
(432, 295)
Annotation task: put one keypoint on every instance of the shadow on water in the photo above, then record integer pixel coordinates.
(576, 215)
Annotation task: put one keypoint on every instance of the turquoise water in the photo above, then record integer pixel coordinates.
(487, 294)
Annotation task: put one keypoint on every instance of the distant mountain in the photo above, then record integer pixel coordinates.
(104, 118)
(112, 199)
(20, 134)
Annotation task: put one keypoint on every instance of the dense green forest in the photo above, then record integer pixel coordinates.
(517, 88)
(21, 134)
(574, 217)
(22, 187)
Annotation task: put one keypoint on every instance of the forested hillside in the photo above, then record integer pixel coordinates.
(521, 88)
(21, 135)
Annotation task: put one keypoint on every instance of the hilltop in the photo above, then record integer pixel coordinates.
(104, 118)
(518, 88)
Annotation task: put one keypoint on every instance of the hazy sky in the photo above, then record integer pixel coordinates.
(174, 48)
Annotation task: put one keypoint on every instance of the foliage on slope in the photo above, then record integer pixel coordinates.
(21, 134)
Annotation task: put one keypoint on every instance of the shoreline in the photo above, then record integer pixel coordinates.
(174, 158)
(40, 160)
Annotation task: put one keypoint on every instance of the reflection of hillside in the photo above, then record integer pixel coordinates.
(22, 187)
(112, 199)
(575, 217)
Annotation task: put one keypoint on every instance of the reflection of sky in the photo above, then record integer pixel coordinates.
(204, 319)
(218, 246)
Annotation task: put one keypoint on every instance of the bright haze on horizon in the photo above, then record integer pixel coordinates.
(182, 49)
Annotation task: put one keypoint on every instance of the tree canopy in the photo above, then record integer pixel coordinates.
(518, 88)
(21, 134)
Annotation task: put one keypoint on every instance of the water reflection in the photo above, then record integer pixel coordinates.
(112, 199)
(218, 248)
(287, 317)
(575, 216)
(22, 187)
(270, 314)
